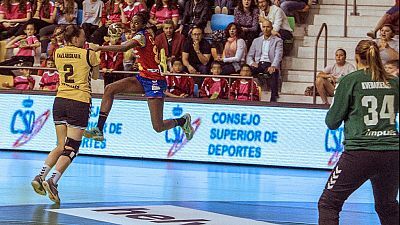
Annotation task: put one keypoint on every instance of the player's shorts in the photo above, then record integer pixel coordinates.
(71, 113)
(153, 88)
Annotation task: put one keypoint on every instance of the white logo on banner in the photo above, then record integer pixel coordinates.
(152, 215)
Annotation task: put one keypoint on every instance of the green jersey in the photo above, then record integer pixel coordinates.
(368, 109)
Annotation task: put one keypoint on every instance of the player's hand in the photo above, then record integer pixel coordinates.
(94, 47)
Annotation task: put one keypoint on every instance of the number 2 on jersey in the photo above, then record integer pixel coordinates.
(387, 110)
(67, 75)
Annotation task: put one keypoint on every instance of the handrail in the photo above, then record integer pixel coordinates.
(323, 27)
(229, 77)
(354, 13)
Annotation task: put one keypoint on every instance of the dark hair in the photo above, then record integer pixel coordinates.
(111, 9)
(252, 6)
(176, 60)
(269, 2)
(172, 4)
(27, 64)
(369, 54)
(388, 25)
(245, 65)
(215, 63)
(143, 16)
(393, 62)
(238, 30)
(21, 6)
(341, 49)
(71, 31)
(27, 24)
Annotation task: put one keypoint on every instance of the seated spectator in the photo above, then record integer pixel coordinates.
(13, 13)
(293, 7)
(179, 86)
(92, 10)
(224, 6)
(50, 79)
(171, 41)
(113, 12)
(131, 9)
(164, 10)
(388, 46)
(110, 61)
(56, 41)
(196, 14)
(242, 89)
(23, 81)
(246, 16)
(326, 80)
(280, 23)
(392, 67)
(234, 53)
(214, 88)
(390, 17)
(265, 56)
(129, 56)
(27, 45)
(196, 53)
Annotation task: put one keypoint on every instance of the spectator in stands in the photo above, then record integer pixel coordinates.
(110, 61)
(196, 14)
(179, 86)
(280, 23)
(246, 15)
(388, 46)
(293, 7)
(27, 45)
(196, 53)
(113, 12)
(392, 67)
(128, 55)
(92, 10)
(390, 17)
(164, 10)
(67, 12)
(224, 6)
(326, 80)
(13, 13)
(171, 41)
(265, 56)
(50, 79)
(214, 87)
(23, 81)
(131, 9)
(56, 41)
(242, 89)
(234, 53)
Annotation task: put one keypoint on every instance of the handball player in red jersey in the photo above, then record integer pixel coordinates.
(149, 81)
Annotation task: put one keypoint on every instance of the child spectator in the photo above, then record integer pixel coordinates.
(392, 67)
(50, 79)
(23, 81)
(110, 61)
(179, 86)
(27, 45)
(57, 41)
(214, 88)
(241, 88)
(128, 55)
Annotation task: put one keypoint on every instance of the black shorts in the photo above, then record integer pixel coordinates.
(71, 113)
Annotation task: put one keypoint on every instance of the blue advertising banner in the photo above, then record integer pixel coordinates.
(260, 135)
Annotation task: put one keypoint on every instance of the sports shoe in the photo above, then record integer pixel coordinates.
(187, 127)
(37, 184)
(95, 133)
(51, 188)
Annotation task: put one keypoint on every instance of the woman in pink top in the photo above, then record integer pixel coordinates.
(164, 10)
(12, 14)
(131, 9)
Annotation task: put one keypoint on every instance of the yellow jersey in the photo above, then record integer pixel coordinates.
(75, 68)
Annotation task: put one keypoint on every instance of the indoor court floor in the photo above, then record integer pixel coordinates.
(98, 190)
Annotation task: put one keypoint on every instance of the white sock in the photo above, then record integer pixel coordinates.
(45, 170)
(56, 176)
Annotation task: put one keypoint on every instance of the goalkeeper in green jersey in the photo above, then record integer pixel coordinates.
(367, 100)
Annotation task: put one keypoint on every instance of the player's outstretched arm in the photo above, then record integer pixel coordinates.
(116, 48)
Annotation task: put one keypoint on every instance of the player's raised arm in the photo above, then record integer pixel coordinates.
(116, 48)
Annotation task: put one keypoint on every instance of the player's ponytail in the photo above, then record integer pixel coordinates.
(368, 52)
(70, 32)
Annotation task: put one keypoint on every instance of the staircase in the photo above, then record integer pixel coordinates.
(297, 70)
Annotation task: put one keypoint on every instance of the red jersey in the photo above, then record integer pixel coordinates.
(241, 91)
(111, 60)
(214, 85)
(23, 83)
(49, 80)
(14, 12)
(178, 85)
(147, 56)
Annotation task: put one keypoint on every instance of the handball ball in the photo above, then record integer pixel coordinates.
(115, 29)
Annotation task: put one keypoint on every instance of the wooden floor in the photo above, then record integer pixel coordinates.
(242, 195)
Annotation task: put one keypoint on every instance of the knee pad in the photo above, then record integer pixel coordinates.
(71, 153)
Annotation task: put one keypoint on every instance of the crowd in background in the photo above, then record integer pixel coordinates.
(253, 45)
